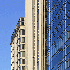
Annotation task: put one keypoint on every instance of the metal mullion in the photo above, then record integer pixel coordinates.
(63, 34)
(49, 34)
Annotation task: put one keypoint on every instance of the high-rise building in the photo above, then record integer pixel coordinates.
(18, 46)
(41, 40)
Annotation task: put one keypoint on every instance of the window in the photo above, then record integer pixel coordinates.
(22, 46)
(67, 63)
(22, 19)
(22, 61)
(22, 23)
(19, 55)
(23, 67)
(23, 39)
(22, 54)
(69, 34)
(22, 32)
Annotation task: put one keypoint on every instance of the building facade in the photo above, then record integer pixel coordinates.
(18, 46)
(42, 38)
(58, 35)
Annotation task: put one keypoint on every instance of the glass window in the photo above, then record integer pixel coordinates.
(67, 63)
(23, 67)
(17, 65)
(22, 54)
(17, 51)
(22, 19)
(47, 58)
(57, 46)
(69, 34)
(22, 46)
(22, 23)
(23, 39)
(22, 32)
(22, 61)
(17, 58)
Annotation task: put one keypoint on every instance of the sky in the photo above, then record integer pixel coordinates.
(10, 12)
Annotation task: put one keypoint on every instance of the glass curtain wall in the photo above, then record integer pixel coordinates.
(58, 17)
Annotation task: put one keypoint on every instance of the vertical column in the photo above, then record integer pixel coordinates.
(65, 34)
(30, 36)
(42, 31)
(33, 22)
(39, 34)
(15, 52)
(11, 54)
(18, 48)
(26, 32)
(35, 34)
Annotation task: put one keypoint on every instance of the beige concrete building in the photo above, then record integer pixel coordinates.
(18, 46)
(35, 34)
